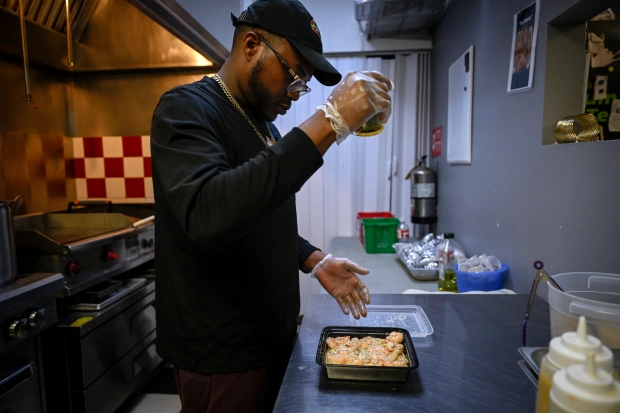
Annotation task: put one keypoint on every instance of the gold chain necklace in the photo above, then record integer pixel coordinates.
(268, 140)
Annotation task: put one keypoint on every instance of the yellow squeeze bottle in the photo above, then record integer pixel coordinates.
(570, 348)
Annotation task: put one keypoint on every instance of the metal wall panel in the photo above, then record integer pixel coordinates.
(33, 166)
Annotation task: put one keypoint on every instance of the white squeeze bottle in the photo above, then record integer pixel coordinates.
(570, 348)
(584, 388)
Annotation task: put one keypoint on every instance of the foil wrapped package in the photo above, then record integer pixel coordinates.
(419, 257)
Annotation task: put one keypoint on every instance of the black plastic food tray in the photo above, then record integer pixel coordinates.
(366, 373)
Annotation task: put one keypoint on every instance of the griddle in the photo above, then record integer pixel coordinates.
(86, 247)
(53, 233)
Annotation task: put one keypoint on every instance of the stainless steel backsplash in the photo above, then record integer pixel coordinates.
(35, 138)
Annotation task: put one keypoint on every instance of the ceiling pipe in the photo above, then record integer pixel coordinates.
(22, 22)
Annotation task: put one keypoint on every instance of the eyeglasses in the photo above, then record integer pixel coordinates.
(298, 84)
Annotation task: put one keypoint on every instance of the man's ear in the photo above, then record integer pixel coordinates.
(251, 45)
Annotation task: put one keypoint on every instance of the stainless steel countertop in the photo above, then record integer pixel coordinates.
(469, 364)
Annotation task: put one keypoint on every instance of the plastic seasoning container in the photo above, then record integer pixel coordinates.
(584, 388)
(570, 348)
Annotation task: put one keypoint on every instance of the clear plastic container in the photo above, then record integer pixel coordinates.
(593, 295)
(410, 317)
(570, 348)
(449, 252)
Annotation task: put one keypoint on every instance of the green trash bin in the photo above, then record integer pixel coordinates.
(380, 234)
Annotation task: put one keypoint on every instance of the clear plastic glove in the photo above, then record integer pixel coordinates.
(358, 97)
(338, 277)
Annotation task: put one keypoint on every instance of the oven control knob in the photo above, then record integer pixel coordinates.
(18, 328)
(37, 318)
(111, 256)
(74, 268)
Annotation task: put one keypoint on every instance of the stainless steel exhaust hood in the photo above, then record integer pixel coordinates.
(107, 35)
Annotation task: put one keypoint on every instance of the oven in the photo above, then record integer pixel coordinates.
(27, 308)
(102, 348)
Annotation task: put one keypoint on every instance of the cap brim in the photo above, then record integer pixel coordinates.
(324, 72)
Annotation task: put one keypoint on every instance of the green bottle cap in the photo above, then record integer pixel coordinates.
(448, 235)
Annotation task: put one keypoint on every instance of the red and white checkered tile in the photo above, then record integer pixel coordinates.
(117, 168)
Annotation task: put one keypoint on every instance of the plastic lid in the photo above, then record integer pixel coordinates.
(585, 388)
(448, 235)
(573, 346)
(410, 317)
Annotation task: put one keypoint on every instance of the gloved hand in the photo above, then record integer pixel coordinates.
(338, 277)
(358, 97)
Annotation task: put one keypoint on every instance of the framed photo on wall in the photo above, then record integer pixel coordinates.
(525, 28)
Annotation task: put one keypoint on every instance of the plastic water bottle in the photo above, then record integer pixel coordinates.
(569, 349)
(402, 232)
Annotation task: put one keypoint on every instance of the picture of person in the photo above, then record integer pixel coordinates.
(523, 46)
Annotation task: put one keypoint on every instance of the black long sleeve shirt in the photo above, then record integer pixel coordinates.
(227, 251)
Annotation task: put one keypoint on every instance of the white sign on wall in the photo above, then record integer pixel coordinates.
(460, 99)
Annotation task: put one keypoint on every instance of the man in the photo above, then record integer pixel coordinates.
(228, 252)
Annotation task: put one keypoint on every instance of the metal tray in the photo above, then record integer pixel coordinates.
(533, 356)
(128, 286)
(366, 373)
(411, 317)
(102, 289)
(528, 372)
(422, 274)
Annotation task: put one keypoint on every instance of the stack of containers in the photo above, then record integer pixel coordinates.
(566, 374)
(380, 234)
(367, 215)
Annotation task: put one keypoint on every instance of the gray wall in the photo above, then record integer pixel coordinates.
(519, 199)
(214, 15)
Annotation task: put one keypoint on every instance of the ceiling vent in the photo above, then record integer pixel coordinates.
(405, 19)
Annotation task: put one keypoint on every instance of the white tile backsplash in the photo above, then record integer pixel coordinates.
(112, 146)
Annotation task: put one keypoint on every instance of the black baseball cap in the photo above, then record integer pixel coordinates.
(291, 20)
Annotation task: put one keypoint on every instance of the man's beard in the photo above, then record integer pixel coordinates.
(260, 94)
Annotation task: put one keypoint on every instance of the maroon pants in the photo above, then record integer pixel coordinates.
(253, 391)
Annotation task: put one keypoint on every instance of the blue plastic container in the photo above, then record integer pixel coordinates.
(480, 281)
